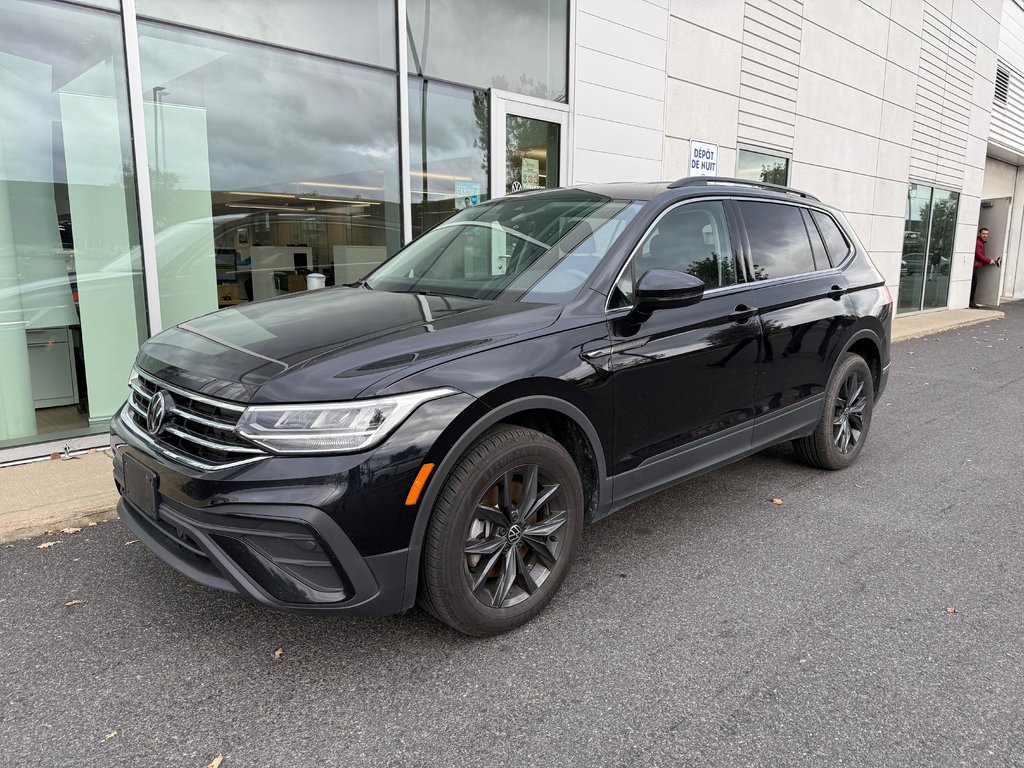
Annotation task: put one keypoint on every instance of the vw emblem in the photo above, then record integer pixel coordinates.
(160, 406)
(514, 533)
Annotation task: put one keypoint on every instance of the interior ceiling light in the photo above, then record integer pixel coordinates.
(270, 207)
(338, 186)
(264, 194)
(445, 176)
(337, 200)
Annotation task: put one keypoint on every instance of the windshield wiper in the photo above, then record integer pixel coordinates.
(359, 284)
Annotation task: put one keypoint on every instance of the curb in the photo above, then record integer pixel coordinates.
(915, 327)
(39, 529)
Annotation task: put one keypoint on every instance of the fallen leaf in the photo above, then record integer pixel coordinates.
(133, 541)
(70, 530)
(951, 610)
(47, 544)
(216, 762)
(92, 522)
(74, 602)
(777, 502)
(278, 653)
(110, 735)
(52, 532)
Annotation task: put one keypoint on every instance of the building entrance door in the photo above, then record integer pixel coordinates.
(995, 217)
(529, 140)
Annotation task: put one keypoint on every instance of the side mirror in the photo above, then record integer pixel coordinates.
(667, 289)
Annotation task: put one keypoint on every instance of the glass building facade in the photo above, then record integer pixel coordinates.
(160, 159)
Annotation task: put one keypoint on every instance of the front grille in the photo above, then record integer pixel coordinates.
(198, 431)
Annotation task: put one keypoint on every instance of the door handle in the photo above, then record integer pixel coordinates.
(835, 292)
(742, 313)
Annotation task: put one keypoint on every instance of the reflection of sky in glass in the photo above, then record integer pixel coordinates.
(515, 46)
(454, 133)
(276, 119)
(357, 30)
(749, 164)
(69, 42)
(778, 240)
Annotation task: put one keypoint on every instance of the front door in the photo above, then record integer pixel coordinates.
(528, 144)
(683, 377)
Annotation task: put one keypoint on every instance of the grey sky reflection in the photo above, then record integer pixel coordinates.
(275, 119)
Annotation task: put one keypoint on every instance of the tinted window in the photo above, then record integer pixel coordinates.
(694, 239)
(778, 240)
(838, 247)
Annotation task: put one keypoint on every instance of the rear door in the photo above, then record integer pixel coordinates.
(805, 317)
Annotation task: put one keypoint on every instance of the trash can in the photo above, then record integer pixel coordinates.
(315, 280)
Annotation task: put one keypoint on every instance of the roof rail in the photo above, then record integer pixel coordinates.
(693, 181)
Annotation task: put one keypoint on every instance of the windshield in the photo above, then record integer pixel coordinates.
(532, 248)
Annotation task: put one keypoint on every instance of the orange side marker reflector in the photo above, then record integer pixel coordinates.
(418, 484)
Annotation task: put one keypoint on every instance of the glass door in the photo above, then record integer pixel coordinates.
(528, 143)
(927, 248)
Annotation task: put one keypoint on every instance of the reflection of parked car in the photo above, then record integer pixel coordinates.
(444, 428)
(913, 264)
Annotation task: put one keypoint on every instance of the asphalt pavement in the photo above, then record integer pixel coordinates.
(874, 618)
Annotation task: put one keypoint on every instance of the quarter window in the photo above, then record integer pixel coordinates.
(838, 247)
(778, 240)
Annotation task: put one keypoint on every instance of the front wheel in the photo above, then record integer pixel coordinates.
(503, 532)
(845, 418)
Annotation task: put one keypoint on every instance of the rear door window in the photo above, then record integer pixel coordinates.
(779, 246)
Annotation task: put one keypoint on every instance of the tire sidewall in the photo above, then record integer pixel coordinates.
(549, 455)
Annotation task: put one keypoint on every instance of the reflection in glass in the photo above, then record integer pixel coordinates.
(265, 166)
(357, 30)
(927, 248)
(72, 310)
(519, 248)
(448, 129)
(529, 145)
(778, 240)
(761, 166)
(516, 46)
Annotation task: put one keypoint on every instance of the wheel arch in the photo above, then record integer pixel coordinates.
(866, 343)
(549, 414)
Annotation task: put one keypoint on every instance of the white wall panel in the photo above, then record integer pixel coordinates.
(619, 86)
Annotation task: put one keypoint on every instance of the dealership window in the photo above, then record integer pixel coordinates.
(355, 30)
(520, 47)
(448, 136)
(762, 166)
(265, 166)
(72, 309)
(928, 234)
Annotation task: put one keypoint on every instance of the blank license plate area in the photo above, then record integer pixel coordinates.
(140, 486)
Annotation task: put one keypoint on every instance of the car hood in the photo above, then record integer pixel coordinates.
(329, 344)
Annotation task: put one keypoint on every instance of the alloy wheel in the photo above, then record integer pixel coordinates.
(848, 414)
(515, 536)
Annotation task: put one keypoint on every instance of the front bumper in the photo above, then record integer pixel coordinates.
(305, 534)
(288, 557)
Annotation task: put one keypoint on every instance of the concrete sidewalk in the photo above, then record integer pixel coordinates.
(62, 493)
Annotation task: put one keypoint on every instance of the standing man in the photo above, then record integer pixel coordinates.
(980, 260)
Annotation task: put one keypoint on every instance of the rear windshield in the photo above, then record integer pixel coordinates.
(531, 248)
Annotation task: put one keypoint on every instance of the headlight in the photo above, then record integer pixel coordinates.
(330, 427)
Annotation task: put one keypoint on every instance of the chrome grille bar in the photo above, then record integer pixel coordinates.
(206, 442)
(159, 449)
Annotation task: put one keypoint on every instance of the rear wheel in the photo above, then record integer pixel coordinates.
(845, 418)
(503, 533)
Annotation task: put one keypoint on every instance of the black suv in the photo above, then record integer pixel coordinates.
(440, 431)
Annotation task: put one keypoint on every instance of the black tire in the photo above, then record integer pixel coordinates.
(489, 565)
(845, 417)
